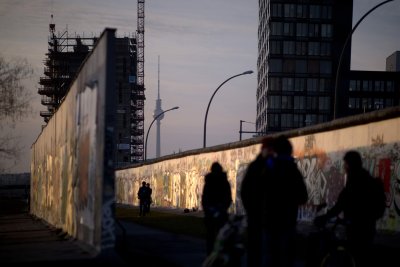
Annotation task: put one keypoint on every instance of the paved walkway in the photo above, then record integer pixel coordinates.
(24, 239)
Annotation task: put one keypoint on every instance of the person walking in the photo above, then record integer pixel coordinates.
(251, 193)
(284, 191)
(362, 201)
(215, 200)
(149, 200)
(143, 195)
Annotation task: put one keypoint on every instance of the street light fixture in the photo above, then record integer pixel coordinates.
(209, 103)
(148, 130)
(344, 48)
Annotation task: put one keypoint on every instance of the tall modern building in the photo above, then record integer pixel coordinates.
(299, 44)
(65, 55)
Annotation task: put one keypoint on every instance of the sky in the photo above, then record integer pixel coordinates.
(200, 44)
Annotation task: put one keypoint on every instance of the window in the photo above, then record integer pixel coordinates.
(310, 119)
(326, 12)
(288, 29)
(287, 84)
(120, 97)
(367, 86)
(298, 102)
(367, 103)
(287, 120)
(311, 102)
(298, 120)
(389, 86)
(354, 85)
(288, 47)
(273, 120)
(324, 85)
(378, 103)
(287, 102)
(325, 67)
(325, 49)
(315, 12)
(313, 48)
(322, 118)
(379, 86)
(274, 84)
(313, 30)
(290, 10)
(301, 66)
(299, 84)
(288, 66)
(302, 11)
(312, 85)
(274, 102)
(276, 10)
(275, 65)
(275, 47)
(326, 30)
(301, 29)
(324, 103)
(389, 102)
(301, 48)
(276, 28)
(313, 66)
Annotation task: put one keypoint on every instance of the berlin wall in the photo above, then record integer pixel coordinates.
(178, 180)
(72, 183)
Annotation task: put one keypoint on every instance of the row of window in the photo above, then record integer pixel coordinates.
(295, 120)
(299, 84)
(300, 48)
(299, 66)
(301, 29)
(321, 103)
(369, 86)
(301, 11)
(369, 103)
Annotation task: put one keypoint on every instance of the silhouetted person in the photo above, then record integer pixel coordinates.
(215, 200)
(356, 201)
(252, 194)
(149, 200)
(143, 195)
(285, 190)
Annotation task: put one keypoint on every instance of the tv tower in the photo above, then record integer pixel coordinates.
(158, 111)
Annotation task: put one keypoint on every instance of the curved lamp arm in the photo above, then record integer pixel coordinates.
(209, 103)
(147, 135)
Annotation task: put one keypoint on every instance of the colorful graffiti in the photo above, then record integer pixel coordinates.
(68, 185)
(178, 182)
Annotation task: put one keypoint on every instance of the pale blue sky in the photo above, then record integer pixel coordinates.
(201, 43)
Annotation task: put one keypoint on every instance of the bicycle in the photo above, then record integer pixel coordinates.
(327, 246)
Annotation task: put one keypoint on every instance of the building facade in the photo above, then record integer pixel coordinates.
(63, 60)
(299, 44)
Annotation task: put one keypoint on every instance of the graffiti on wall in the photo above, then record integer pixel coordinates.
(178, 182)
(67, 158)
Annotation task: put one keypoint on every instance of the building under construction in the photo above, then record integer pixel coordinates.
(65, 54)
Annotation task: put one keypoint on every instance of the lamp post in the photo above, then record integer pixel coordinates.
(240, 131)
(209, 103)
(148, 130)
(344, 48)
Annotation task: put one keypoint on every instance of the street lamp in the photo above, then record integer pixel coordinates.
(208, 107)
(344, 48)
(147, 135)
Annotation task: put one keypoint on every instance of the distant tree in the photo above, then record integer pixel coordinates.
(15, 104)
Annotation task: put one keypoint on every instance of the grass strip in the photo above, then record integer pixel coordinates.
(174, 223)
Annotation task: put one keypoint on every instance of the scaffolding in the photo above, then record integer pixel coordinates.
(66, 53)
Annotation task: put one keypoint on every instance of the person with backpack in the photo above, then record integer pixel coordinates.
(143, 195)
(362, 202)
(284, 191)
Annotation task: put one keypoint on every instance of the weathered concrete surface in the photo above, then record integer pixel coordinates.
(177, 180)
(72, 185)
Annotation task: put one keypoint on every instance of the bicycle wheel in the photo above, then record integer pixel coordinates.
(338, 257)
